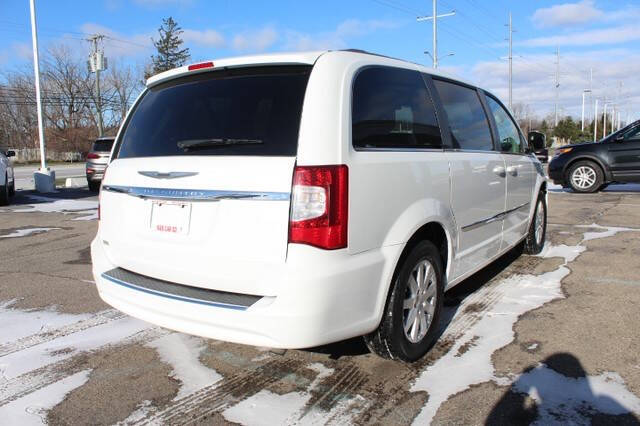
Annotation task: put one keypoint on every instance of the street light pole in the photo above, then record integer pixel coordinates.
(44, 178)
(595, 122)
(435, 17)
(583, 93)
(604, 127)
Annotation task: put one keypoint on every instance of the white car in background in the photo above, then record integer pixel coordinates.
(7, 178)
(294, 200)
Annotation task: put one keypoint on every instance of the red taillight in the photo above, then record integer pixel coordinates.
(319, 206)
(200, 66)
(92, 156)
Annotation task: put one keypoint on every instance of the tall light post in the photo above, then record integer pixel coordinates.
(585, 91)
(426, 52)
(43, 178)
(435, 17)
(595, 122)
(604, 127)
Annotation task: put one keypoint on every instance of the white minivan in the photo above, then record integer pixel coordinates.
(293, 200)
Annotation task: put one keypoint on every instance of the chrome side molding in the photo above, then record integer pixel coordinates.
(195, 194)
(499, 216)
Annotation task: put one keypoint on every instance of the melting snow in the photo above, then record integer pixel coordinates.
(608, 231)
(57, 205)
(494, 329)
(182, 352)
(26, 231)
(567, 400)
(32, 409)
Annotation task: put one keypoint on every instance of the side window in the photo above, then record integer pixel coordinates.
(467, 120)
(392, 109)
(508, 133)
(633, 134)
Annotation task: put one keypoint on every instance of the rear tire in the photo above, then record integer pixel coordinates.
(585, 177)
(409, 325)
(537, 233)
(4, 192)
(12, 188)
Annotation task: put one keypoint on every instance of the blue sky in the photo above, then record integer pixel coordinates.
(597, 34)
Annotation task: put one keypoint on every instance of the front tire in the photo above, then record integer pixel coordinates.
(410, 321)
(585, 177)
(537, 233)
(93, 186)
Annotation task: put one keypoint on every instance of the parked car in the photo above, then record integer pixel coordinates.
(590, 167)
(293, 200)
(97, 160)
(7, 178)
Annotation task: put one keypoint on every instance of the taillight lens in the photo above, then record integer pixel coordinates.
(319, 204)
(92, 156)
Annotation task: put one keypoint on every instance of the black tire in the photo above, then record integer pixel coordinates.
(389, 340)
(533, 244)
(592, 169)
(12, 188)
(93, 186)
(4, 192)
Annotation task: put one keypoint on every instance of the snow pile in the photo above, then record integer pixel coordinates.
(26, 232)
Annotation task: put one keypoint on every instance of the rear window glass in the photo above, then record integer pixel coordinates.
(393, 109)
(246, 111)
(104, 145)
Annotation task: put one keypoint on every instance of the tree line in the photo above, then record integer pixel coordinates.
(69, 97)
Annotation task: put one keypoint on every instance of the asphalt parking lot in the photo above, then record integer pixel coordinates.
(547, 339)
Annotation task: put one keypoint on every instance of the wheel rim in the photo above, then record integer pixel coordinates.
(583, 177)
(539, 222)
(420, 301)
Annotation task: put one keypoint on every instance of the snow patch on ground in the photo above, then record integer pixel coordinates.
(27, 231)
(182, 352)
(32, 409)
(607, 231)
(57, 205)
(561, 399)
(268, 408)
(16, 324)
(455, 372)
(34, 357)
(89, 215)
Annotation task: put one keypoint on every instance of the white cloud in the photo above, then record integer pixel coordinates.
(566, 14)
(204, 37)
(337, 38)
(255, 40)
(23, 50)
(614, 35)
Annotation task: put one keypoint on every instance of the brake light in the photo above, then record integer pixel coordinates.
(92, 156)
(200, 66)
(319, 204)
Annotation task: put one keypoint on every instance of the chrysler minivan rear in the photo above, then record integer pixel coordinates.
(208, 225)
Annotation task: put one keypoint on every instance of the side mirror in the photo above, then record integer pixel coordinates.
(536, 140)
(11, 153)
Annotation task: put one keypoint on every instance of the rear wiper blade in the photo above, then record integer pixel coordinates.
(213, 142)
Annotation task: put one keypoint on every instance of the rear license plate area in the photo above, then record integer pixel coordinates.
(170, 217)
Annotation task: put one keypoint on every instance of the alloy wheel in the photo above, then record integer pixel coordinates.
(584, 177)
(420, 301)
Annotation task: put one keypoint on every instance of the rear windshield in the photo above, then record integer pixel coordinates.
(247, 111)
(102, 145)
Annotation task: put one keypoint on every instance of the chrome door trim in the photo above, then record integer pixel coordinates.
(491, 219)
(195, 194)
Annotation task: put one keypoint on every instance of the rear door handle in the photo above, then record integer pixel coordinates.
(512, 170)
(499, 170)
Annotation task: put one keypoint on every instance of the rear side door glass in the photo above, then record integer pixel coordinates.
(467, 121)
(508, 133)
(392, 109)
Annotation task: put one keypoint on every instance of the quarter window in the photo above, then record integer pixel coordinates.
(467, 120)
(508, 133)
(392, 109)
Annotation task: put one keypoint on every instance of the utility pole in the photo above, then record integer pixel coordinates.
(435, 17)
(595, 122)
(511, 65)
(583, 93)
(43, 178)
(97, 63)
(604, 127)
(557, 82)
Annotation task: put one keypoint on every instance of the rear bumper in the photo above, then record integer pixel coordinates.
(95, 171)
(324, 296)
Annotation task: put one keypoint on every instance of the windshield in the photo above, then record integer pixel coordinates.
(246, 111)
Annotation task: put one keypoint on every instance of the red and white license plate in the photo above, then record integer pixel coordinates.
(170, 217)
